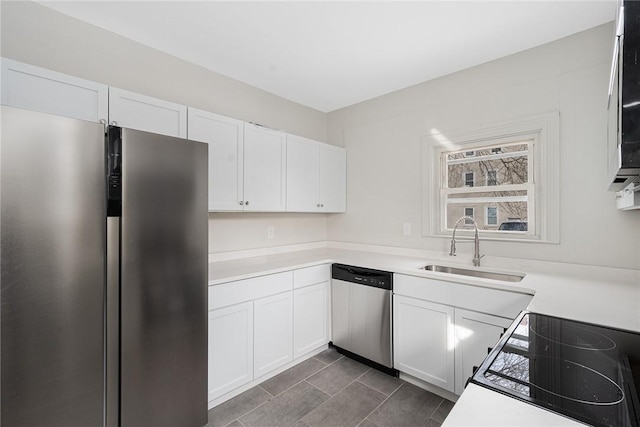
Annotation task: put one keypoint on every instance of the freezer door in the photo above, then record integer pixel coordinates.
(52, 270)
(163, 281)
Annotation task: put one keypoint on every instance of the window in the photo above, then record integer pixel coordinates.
(492, 177)
(516, 195)
(469, 179)
(491, 218)
(468, 212)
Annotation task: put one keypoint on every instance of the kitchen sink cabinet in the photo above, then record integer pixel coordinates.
(141, 112)
(272, 335)
(38, 89)
(475, 335)
(423, 340)
(230, 348)
(438, 334)
(316, 176)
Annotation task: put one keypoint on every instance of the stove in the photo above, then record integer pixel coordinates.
(586, 372)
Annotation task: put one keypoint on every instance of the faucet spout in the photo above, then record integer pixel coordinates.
(476, 240)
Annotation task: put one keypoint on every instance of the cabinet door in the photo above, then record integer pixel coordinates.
(230, 348)
(476, 334)
(38, 89)
(265, 159)
(302, 174)
(225, 139)
(141, 112)
(310, 318)
(424, 340)
(333, 178)
(273, 318)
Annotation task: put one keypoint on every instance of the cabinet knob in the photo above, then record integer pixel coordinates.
(102, 122)
(246, 203)
(114, 123)
(241, 202)
(322, 205)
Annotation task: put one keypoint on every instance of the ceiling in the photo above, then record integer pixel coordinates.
(332, 54)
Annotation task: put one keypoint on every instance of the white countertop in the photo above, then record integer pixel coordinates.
(601, 295)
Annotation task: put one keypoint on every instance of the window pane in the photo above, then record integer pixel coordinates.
(497, 165)
(468, 212)
(492, 215)
(493, 211)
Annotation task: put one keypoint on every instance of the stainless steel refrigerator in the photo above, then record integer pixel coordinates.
(103, 275)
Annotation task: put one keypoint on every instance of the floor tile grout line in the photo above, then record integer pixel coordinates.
(265, 390)
(304, 379)
(382, 403)
(380, 391)
(318, 388)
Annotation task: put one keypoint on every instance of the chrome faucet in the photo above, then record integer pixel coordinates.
(476, 240)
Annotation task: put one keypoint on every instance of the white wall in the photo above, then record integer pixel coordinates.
(383, 141)
(37, 35)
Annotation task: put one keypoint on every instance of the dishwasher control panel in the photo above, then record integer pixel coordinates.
(363, 276)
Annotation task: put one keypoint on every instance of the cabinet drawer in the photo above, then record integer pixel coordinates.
(493, 301)
(239, 291)
(311, 275)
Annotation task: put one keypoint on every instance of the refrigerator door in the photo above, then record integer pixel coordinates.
(163, 281)
(52, 270)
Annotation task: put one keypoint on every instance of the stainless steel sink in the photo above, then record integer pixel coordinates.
(475, 273)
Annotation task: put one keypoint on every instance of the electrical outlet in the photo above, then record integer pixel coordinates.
(406, 229)
(271, 232)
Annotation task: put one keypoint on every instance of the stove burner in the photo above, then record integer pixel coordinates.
(576, 337)
(572, 381)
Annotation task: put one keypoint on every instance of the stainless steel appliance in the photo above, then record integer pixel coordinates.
(361, 315)
(624, 100)
(586, 372)
(103, 275)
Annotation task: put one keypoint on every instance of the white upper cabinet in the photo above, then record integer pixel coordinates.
(303, 174)
(247, 163)
(333, 178)
(141, 112)
(265, 156)
(316, 176)
(226, 152)
(38, 89)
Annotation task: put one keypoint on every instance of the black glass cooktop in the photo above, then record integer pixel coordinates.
(586, 372)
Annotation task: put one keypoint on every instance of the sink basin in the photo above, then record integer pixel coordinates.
(475, 273)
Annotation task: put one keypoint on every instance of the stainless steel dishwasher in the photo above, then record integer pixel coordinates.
(361, 315)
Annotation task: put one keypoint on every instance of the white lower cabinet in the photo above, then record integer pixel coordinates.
(272, 334)
(423, 340)
(230, 348)
(255, 324)
(311, 312)
(439, 337)
(476, 334)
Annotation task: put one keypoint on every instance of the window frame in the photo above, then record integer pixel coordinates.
(486, 216)
(495, 178)
(473, 215)
(473, 179)
(542, 131)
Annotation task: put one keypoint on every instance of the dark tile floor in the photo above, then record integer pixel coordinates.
(330, 390)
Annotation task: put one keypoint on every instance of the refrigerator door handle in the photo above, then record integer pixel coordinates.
(112, 325)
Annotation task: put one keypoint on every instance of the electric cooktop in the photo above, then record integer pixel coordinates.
(586, 372)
